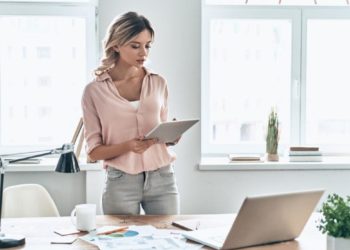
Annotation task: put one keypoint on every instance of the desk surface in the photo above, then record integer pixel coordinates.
(39, 231)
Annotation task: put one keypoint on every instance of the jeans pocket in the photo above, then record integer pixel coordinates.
(114, 174)
(167, 171)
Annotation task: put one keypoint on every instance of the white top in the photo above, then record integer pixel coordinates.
(135, 104)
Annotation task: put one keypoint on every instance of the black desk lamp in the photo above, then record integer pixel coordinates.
(67, 163)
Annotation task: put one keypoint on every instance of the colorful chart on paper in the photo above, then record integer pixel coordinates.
(126, 233)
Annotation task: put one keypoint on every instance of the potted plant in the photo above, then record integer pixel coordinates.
(336, 222)
(272, 137)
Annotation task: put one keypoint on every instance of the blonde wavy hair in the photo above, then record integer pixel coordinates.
(120, 31)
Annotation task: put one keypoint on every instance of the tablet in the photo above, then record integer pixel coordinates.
(170, 131)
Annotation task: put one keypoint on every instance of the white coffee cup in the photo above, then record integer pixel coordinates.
(83, 217)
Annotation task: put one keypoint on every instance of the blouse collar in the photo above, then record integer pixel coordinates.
(105, 75)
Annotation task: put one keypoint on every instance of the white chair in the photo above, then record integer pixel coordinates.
(28, 200)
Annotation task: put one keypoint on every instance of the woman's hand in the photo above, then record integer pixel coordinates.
(139, 145)
(174, 142)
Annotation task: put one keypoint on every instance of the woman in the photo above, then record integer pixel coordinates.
(122, 104)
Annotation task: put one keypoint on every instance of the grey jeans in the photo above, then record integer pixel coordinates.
(156, 191)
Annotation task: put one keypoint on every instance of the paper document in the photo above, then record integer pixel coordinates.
(63, 240)
(140, 237)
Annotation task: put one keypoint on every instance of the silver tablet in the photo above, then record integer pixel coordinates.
(168, 132)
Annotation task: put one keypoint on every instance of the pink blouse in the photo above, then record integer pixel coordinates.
(111, 119)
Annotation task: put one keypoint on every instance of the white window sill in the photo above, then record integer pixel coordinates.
(223, 164)
(49, 165)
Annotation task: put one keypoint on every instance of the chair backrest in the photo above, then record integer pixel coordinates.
(28, 200)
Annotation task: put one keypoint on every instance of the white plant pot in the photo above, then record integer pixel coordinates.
(338, 243)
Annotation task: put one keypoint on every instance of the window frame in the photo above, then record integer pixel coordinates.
(86, 10)
(298, 15)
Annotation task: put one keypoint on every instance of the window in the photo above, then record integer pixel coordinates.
(292, 58)
(47, 53)
(278, 2)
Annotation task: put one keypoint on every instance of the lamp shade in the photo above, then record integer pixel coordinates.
(67, 163)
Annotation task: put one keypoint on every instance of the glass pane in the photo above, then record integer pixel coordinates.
(48, 1)
(327, 95)
(332, 2)
(42, 74)
(263, 2)
(225, 2)
(278, 2)
(250, 72)
(241, 2)
(298, 2)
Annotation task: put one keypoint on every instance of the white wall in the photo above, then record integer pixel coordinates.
(176, 55)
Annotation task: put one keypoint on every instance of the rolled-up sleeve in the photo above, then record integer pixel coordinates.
(92, 124)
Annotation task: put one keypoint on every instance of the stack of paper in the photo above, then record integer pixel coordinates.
(244, 158)
(305, 154)
(27, 161)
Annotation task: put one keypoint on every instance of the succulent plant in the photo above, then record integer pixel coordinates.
(272, 133)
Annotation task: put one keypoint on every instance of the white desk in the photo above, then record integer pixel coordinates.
(39, 231)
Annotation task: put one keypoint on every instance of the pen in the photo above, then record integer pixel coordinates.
(113, 231)
(198, 224)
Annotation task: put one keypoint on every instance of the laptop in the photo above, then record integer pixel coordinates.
(262, 220)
